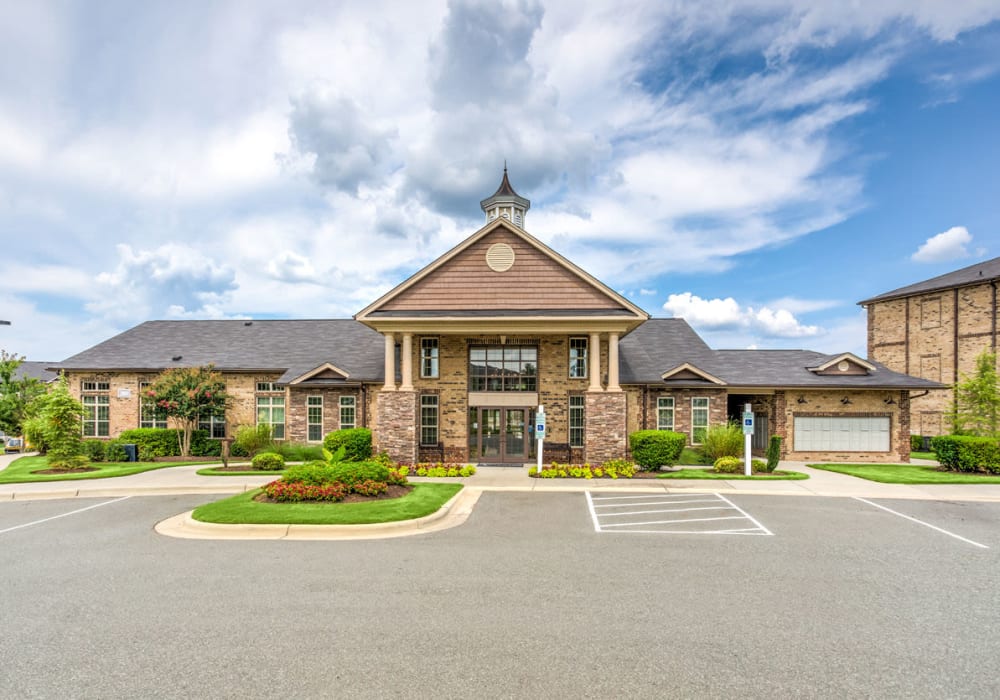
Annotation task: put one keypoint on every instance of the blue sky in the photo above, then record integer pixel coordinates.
(755, 166)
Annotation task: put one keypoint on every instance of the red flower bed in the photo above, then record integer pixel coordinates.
(296, 491)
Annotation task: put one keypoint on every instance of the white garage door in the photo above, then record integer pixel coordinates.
(823, 434)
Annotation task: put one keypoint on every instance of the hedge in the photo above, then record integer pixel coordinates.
(357, 443)
(963, 453)
(163, 442)
(652, 449)
(268, 461)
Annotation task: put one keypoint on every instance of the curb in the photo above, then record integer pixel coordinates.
(453, 513)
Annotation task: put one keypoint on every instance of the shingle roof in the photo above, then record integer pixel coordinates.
(661, 344)
(985, 271)
(35, 370)
(291, 347)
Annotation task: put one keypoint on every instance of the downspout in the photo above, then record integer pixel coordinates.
(954, 381)
(645, 406)
(993, 318)
(917, 396)
(364, 406)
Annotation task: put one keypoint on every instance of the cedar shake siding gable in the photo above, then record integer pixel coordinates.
(539, 283)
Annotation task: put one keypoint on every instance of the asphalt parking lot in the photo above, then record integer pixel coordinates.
(526, 599)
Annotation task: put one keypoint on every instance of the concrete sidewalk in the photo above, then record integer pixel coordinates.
(185, 480)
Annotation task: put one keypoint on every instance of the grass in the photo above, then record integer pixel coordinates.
(423, 500)
(20, 470)
(212, 471)
(692, 457)
(907, 474)
(709, 474)
(923, 455)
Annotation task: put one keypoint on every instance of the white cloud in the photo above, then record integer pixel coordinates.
(728, 314)
(948, 245)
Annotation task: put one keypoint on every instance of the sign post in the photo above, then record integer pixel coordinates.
(540, 433)
(747, 438)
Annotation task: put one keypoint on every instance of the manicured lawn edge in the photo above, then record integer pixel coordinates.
(923, 455)
(907, 474)
(709, 474)
(212, 471)
(242, 509)
(19, 471)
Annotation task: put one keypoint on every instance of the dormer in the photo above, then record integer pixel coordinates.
(844, 365)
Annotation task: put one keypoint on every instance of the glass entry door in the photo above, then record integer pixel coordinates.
(499, 435)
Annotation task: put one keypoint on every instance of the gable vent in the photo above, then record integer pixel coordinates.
(500, 257)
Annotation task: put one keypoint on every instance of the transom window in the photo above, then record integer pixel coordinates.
(267, 387)
(576, 420)
(149, 417)
(665, 413)
(429, 358)
(503, 368)
(699, 420)
(578, 358)
(271, 411)
(95, 386)
(96, 416)
(314, 418)
(348, 412)
(429, 419)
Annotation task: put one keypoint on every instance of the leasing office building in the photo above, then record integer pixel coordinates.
(452, 364)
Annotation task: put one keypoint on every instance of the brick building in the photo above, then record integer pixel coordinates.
(453, 363)
(935, 329)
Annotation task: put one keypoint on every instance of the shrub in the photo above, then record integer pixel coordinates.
(729, 465)
(248, 440)
(439, 469)
(773, 453)
(94, 450)
(296, 491)
(723, 441)
(114, 451)
(312, 473)
(268, 461)
(34, 433)
(354, 472)
(357, 443)
(967, 454)
(652, 449)
(758, 465)
(612, 469)
(297, 451)
(623, 467)
(166, 442)
(369, 487)
(916, 443)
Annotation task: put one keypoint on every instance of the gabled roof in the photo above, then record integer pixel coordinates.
(847, 357)
(686, 370)
(662, 344)
(463, 284)
(326, 372)
(979, 273)
(293, 348)
(35, 370)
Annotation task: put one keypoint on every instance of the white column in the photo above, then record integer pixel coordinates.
(390, 363)
(407, 368)
(613, 362)
(594, 351)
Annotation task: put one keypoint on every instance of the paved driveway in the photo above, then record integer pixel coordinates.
(524, 600)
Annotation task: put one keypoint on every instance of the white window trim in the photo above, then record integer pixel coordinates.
(436, 357)
(437, 418)
(309, 424)
(660, 407)
(708, 415)
(569, 422)
(352, 405)
(586, 357)
(270, 414)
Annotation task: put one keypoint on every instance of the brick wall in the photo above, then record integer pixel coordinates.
(396, 430)
(605, 434)
(863, 404)
(297, 410)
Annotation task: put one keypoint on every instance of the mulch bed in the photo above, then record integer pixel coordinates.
(395, 491)
(71, 470)
(245, 468)
(175, 458)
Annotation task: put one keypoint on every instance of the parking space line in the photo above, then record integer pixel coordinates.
(607, 512)
(921, 522)
(62, 515)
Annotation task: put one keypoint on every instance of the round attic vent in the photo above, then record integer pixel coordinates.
(500, 257)
(843, 366)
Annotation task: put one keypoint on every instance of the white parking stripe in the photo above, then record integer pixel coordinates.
(673, 511)
(921, 522)
(62, 515)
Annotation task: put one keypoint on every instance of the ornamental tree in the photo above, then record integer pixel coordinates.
(977, 399)
(15, 394)
(188, 394)
(62, 427)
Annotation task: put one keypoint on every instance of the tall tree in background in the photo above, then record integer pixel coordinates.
(977, 399)
(189, 394)
(15, 394)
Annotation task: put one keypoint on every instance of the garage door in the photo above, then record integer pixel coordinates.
(841, 434)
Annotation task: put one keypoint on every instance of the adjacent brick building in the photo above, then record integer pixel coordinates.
(453, 364)
(935, 329)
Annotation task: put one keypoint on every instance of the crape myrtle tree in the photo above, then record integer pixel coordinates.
(977, 399)
(188, 394)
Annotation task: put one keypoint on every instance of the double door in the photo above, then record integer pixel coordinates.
(500, 435)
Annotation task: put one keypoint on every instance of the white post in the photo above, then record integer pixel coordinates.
(748, 438)
(540, 434)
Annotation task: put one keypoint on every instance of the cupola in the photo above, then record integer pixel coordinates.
(505, 203)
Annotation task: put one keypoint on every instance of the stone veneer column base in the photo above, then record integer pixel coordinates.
(396, 432)
(605, 435)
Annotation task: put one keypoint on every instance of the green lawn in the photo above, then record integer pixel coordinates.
(709, 474)
(212, 471)
(907, 474)
(923, 455)
(692, 457)
(423, 500)
(20, 470)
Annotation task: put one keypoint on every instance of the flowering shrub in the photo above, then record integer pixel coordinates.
(297, 491)
(441, 469)
(612, 469)
(369, 487)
